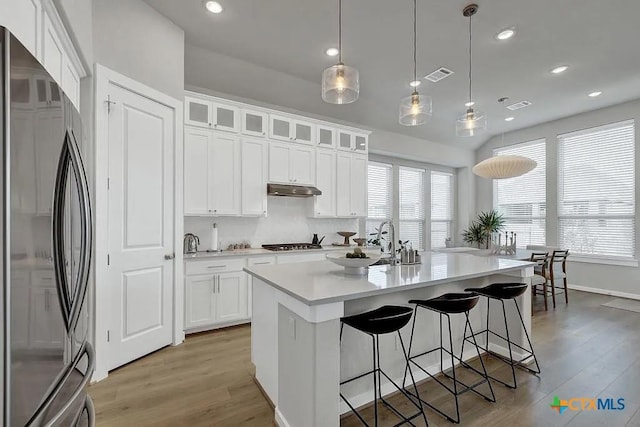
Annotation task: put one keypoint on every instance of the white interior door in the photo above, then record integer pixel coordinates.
(141, 210)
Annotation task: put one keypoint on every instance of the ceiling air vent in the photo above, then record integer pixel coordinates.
(438, 74)
(518, 105)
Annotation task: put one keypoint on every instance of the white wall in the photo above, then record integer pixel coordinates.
(287, 222)
(77, 16)
(133, 39)
(607, 277)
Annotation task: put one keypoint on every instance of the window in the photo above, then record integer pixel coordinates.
(441, 208)
(412, 211)
(596, 188)
(380, 184)
(522, 200)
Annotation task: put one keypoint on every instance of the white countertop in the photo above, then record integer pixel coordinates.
(323, 282)
(260, 252)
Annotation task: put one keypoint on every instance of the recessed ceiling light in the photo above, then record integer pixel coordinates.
(560, 69)
(506, 34)
(213, 7)
(415, 83)
(508, 119)
(469, 104)
(332, 51)
(596, 93)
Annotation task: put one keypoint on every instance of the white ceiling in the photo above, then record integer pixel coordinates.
(597, 39)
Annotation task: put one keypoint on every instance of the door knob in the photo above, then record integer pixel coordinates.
(169, 256)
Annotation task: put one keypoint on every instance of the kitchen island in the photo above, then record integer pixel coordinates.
(295, 333)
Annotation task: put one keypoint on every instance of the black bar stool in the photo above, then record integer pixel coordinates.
(384, 320)
(445, 305)
(503, 292)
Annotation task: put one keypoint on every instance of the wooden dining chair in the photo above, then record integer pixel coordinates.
(541, 276)
(558, 270)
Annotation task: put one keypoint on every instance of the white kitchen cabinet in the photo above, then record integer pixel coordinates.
(200, 301)
(294, 258)
(263, 260)
(224, 174)
(254, 177)
(353, 141)
(232, 296)
(198, 112)
(216, 293)
(254, 123)
(280, 128)
(351, 199)
(196, 171)
(52, 50)
(211, 173)
(203, 113)
(325, 204)
(24, 19)
(291, 164)
(289, 129)
(325, 136)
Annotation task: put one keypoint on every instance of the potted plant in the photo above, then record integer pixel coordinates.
(480, 230)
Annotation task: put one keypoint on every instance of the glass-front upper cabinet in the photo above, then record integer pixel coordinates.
(198, 112)
(226, 117)
(351, 141)
(201, 113)
(304, 132)
(281, 128)
(254, 123)
(325, 136)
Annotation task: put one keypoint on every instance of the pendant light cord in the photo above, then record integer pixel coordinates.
(415, 31)
(340, 31)
(470, 61)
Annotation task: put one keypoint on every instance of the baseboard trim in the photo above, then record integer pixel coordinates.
(281, 421)
(604, 292)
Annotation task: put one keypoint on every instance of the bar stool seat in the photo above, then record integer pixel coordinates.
(504, 292)
(501, 290)
(383, 320)
(452, 303)
(446, 305)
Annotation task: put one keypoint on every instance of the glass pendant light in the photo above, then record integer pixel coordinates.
(340, 83)
(415, 109)
(472, 121)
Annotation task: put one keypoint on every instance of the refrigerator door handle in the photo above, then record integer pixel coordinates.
(90, 410)
(38, 417)
(86, 243)
(71, 302)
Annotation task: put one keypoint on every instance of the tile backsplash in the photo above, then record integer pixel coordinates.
(287, 222)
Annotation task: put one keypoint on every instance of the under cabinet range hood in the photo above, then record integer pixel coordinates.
(292, 190)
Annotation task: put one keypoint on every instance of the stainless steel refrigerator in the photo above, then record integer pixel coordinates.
(46, 251)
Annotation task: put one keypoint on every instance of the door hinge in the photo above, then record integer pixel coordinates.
(108, 259)
(109, 102)
(108, 335)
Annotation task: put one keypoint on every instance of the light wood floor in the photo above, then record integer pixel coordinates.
(585, 350)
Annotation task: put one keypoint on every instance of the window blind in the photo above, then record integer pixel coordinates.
(596, 194)
(380, 185)
(522, 200)
(412, 206)
(441, 208)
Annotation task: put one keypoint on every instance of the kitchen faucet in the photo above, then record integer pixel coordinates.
(394, 257)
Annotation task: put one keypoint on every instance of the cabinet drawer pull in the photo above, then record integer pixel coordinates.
(260, 263)
(217, 266)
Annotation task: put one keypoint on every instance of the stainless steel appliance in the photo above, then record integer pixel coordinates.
(46, 248)
(287, 190)
(291, 246)
(191, 242)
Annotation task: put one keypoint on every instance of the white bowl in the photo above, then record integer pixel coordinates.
(354, 265)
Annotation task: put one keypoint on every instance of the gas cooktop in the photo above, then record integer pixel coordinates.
(291, 246)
